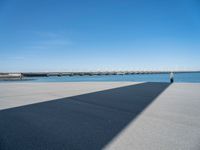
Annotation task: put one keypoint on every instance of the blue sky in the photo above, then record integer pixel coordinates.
(77, 35)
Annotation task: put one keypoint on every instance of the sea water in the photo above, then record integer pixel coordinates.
(178, 77)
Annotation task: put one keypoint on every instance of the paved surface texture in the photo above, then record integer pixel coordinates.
(19, 94)
(104, 115)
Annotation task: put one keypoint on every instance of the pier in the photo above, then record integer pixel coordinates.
(99, 115)
(20, 75)
(46, 74)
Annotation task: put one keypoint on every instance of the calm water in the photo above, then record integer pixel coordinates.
(179, 77)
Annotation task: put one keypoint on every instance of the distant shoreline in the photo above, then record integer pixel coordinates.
(20, 75)
(139, 77)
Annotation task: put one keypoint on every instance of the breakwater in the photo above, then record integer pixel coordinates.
(21, 75)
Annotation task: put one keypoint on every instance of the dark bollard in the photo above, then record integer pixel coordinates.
(171, 76)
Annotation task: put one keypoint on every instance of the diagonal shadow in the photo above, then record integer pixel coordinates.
(88, 121)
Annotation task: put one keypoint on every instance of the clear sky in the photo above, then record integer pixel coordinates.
(92, 35)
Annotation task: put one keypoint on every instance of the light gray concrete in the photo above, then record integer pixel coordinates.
(172, 121)
(20, 94)
(100, 115)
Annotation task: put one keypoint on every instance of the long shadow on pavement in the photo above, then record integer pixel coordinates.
(88, 121)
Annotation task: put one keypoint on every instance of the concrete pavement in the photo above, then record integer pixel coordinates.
(100, 115)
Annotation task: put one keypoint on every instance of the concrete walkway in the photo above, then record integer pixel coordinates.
(99, 115)
(20, 94)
